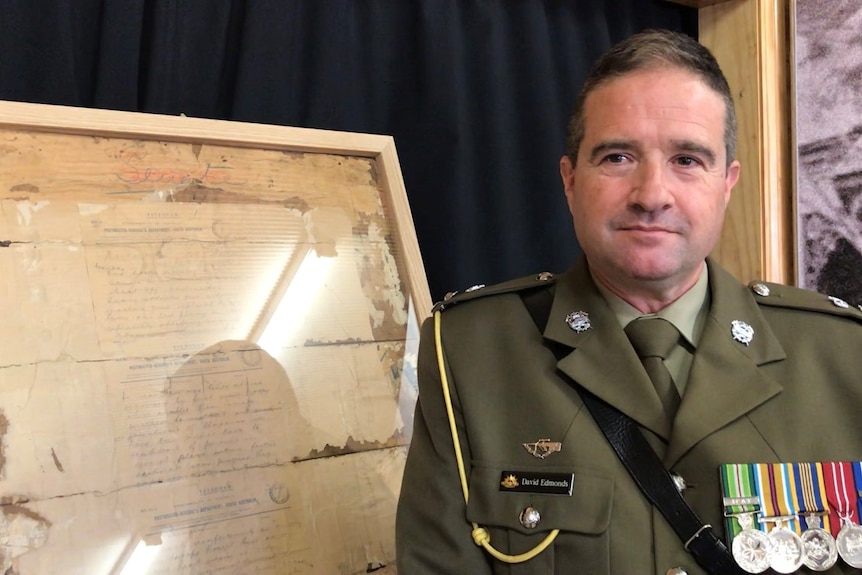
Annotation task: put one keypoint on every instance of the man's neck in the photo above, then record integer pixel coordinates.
(649, 298)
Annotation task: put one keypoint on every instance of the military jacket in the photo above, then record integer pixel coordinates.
(790, 391)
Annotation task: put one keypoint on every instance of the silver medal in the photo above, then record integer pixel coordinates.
(752, 549)
(849, 543)
(821, 553)
(787, 549)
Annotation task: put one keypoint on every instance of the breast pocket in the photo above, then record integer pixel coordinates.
(519, 520)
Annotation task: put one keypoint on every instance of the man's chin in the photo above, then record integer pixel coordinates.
(655, 270)
(668, 271)
(652, 266)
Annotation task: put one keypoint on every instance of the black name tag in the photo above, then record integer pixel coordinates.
(530, 482)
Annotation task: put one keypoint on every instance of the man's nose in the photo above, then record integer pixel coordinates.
(650, 190)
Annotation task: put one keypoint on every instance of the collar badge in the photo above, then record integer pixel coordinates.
(579, 321)
(741, 332)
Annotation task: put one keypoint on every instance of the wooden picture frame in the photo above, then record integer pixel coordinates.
(210, 333)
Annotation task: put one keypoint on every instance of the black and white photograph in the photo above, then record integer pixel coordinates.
(828, 89)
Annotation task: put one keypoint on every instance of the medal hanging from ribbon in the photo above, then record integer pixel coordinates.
(779, 511)
(820, 551)
(749, 545)
(785, 515)
(842, 496)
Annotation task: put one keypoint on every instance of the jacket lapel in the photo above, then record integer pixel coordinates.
(602, 359)
(725, 381)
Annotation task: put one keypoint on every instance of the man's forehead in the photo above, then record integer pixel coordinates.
(657, 77)
(669, 85)
(675, 96)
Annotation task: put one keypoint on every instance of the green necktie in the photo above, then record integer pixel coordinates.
(653, 339)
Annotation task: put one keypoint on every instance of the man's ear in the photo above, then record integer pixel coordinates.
(730, 179)
(567, 173)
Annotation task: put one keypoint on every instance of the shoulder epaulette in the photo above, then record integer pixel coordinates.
(778, 295)
(481, 290)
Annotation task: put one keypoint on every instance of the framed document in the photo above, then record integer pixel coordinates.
(209, 338)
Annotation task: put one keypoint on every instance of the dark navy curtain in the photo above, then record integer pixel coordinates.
(475, 92)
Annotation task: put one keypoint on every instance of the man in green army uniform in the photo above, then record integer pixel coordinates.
(509, 473)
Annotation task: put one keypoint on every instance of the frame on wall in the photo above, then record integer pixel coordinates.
(827, 80)
(210, 333)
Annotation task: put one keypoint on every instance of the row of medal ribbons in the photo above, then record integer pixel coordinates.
(786, 515)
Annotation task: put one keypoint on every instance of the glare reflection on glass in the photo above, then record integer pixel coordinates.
(290, 310)
(141, 559)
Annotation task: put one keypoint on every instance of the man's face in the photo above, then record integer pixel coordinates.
(650, 187)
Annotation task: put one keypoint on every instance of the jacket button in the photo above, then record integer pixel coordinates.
(529, 517)
(676, 571)
(760, 289)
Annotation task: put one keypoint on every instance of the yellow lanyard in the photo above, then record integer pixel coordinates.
(481, 537)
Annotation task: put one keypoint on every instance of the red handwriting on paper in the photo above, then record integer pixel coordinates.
(207, 174)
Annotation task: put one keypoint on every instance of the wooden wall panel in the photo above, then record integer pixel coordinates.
(750, 41)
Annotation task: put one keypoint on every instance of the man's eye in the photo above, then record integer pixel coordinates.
(615, 158)
(686, 161)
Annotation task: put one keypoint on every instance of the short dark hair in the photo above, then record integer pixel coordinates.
(653, 49)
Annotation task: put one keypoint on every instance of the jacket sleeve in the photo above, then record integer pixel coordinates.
(432, 533)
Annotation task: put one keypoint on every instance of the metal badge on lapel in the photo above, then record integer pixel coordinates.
(579, 321)
(542, 448)
(741, 332)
